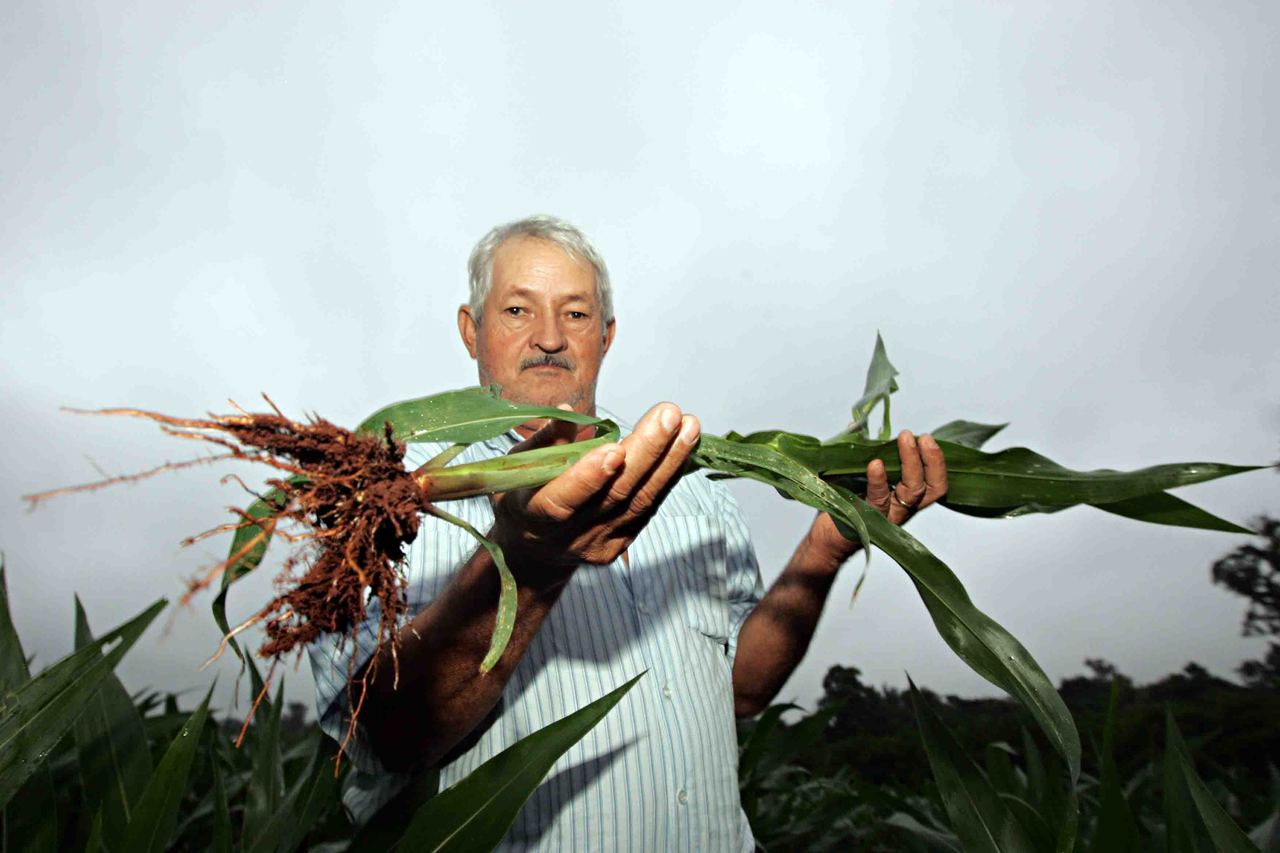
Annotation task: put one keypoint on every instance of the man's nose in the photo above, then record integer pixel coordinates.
(547, 334)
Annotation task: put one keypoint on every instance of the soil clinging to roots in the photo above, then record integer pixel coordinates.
(361, 507)
(344, 498)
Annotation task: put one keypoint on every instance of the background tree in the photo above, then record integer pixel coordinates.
(1253, 571)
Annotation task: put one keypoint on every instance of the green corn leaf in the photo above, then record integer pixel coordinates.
(505, 620)
(931, 839)
(1036, 776)
(384, 829)
(221, 810)
(39, 713)
(1016, 476)
(967, 433)
(444, 457)
(29, 821)
(774, 465)
(760, 737)
(475, 813)
(114, 756)
(266, 783)
(1007, 483)
(513, 471)
(978, 815)
(757, 744)
(1038, 830)
(979, 641)
(1164, 508)
(248, 547)
(887, 800)
(156, 815)
(1000, 771)
(879, 385)
(13, 660)
(997, 511)
(1055, 802)
(1116, 828)
(1155, 508)
(314, 792)
(1188, 788)
(467, 415)
(790, 742)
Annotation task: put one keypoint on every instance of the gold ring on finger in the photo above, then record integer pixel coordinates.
(908, 507)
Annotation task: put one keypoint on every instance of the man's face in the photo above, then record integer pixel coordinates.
(540, 338)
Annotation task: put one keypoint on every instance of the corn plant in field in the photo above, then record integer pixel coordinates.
(84, 766)
(348, 501)
(1008, 801)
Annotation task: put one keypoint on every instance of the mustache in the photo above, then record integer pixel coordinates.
(547, 360)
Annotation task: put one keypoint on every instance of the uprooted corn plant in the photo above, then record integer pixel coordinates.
(346, 501)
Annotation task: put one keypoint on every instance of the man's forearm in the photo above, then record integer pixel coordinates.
(777, 633)
(440, 696)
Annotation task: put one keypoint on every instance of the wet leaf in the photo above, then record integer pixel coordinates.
(475, 814)
(465, 416)
(978, 815)
(29, 821)
(1116, 828)
(1190, 800)
(39, 713)
(248, 547)
(156, 815)
(114, 756)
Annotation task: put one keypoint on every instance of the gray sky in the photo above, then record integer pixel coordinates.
(1061, 215)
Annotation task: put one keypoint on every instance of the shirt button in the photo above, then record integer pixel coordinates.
(642, 607)
(666, 691)
(683, 797)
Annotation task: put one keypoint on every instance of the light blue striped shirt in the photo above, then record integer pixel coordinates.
(659, 772)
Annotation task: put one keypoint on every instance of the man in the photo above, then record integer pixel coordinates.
(623, 567)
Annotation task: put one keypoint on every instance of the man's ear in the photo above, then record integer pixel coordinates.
(609, 329)
(467, 328)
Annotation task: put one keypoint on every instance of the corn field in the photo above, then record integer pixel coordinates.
(88, 766)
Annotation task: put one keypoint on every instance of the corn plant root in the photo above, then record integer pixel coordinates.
(345, 500)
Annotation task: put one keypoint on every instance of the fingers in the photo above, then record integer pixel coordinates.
(878, 487)
(653, 457)
(910, 487)
(650, 492)
(559, 499)
(923, 479)
(935, 471)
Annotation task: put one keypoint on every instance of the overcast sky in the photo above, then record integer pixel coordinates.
(1063, 215)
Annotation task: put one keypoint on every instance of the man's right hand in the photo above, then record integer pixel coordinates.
(592, 512)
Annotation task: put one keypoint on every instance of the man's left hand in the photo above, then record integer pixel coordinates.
(924, 481)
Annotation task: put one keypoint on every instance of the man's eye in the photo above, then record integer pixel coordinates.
(577, 315)
(514, 310)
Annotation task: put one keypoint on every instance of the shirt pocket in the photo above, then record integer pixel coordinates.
(692, 549)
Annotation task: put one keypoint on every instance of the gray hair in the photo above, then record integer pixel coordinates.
(574, 243)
